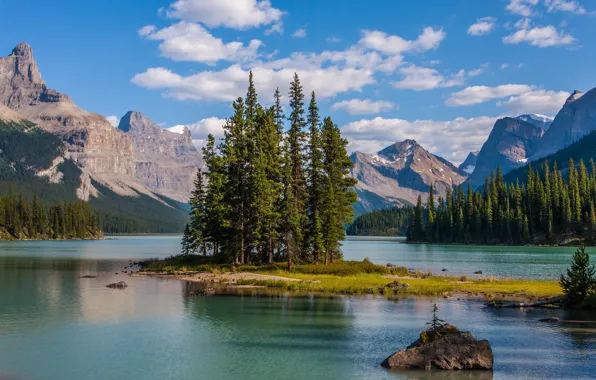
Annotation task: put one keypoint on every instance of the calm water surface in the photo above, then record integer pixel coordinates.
(54, 325)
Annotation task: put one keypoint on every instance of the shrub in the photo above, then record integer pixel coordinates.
(580, 279)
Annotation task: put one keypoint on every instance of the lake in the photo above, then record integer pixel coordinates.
(55, 325)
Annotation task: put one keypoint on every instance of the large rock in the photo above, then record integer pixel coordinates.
(454, 351)
(398, 174)
(166, 162)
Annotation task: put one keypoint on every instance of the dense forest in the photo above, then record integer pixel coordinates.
(386, 222)
(270, 194)
(549, 208)
(23, 219)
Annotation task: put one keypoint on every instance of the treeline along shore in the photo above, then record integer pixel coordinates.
(23, 219)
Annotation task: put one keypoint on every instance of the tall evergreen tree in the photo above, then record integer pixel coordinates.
(315, 181)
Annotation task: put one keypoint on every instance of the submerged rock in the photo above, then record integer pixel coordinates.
(451, 351)
(117, 285)
(549, 320)
(88, 276)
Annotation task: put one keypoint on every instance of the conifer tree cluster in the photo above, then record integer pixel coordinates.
(387, 222)
(21, 219)
(273, 190)
(549, 208)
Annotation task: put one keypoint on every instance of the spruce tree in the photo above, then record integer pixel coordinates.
(315, 182)
(580, 279)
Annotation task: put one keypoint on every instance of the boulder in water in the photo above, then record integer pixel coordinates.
(449, 349)
(117, 285)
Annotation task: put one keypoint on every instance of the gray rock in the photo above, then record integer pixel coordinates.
(117, 285)
(469, 163)
(165, 161)
(455, 351)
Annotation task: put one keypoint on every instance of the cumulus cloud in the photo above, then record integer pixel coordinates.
(480, 94)
(545, 36)
(203, 128)
(228, 84)
(394, 45)
(187, 41)
(521, 7)
(571, 6)
(277, 28)
(482, 26)
(423, 78)
(524, 23)
(540, 101)
(299, 33)
(237, 14)
(363, 107)
(114, 120)
(452, 139)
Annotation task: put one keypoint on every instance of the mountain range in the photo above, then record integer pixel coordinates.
(139, 176)
(138, 164)
(395, 176)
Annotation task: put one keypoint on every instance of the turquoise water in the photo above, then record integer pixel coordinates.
(55, 325)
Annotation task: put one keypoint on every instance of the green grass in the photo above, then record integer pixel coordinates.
(359, 277)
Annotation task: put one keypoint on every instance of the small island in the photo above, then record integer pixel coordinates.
(443, 346)
(21, 219)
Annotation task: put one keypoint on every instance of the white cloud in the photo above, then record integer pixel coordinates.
(524, 23)
(363, 107)
(277, 28)
(522, 7)
(423, 78)
(228, 84)
(571, 6)
(542, 37)
(540, 101)
(480, 94)
(186, 41)
(452, 139)
(299, 33)
(201, 129)
(482, 26)
(395, 45)
(333, 39)
(114, 120)
(479, 70)
(237, 14)
(504, 66)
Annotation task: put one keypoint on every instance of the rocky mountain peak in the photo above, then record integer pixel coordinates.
(137, 122)
(400, 148)
(23, 50)
(576, 95)
(24, 68)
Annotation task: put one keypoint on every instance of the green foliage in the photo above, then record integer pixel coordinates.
(435, 323)
(548, 208)
(23, 219)
(580, 279)
(386, 222)
(270, 195)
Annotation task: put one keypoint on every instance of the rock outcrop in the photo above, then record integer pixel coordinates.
(454, 351)
(398, 174)
(509, 145)
(541, 121)
(165, 162)
(576, 119)
(91, 141)
(469, 163)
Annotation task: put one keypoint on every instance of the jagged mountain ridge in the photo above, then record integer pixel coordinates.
(166, 162)
(576, 119)
(469, 163)
(95, 162)
(398, 174)
(541, 121)
(510, 144)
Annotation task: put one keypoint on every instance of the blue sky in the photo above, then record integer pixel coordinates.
(385, 70)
